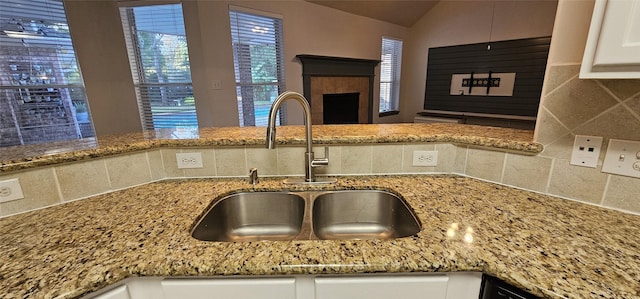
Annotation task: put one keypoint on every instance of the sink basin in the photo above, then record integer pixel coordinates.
(353, 214)
(252, 216)
(362, 214)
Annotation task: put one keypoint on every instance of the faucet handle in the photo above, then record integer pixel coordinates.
(253, 176)
(321, 161)
(271, 137)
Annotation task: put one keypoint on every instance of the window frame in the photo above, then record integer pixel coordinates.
(143, 88)
(395, 76)
(242, 87)
(45, 94)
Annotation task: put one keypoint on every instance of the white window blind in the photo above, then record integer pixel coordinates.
(42, 96)
(390, 74)
(259, 66)
(158, 54)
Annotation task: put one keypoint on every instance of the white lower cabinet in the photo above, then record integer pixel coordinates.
(236, 288)
(119, 292)
(464, 285)
(432, 287)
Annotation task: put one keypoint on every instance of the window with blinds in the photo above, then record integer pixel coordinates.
(258, 62)
(390, 74)
(42, 96)
(157, 47)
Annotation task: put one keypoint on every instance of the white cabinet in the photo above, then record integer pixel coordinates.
(236, 288)
(116, 293)
(431, 286)
(411, 286)
(145, 288)
(613, 44)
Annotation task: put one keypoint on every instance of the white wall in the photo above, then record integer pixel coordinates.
(466, 22)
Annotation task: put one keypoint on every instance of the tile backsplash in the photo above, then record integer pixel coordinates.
(572, 106)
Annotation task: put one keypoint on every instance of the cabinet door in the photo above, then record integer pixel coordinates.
(117, 293)
(225, 288)
(613, 45)
(383, 287)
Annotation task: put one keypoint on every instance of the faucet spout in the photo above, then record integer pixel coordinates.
(310, 162)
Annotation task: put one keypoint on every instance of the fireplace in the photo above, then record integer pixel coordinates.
(340, 108)
(324, 75)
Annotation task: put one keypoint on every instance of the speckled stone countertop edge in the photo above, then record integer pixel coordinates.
(23, 158)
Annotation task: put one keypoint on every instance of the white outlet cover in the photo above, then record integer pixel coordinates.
(425, 158)
(586, 151)
(10, 190)
(623, 158)
(189, 160)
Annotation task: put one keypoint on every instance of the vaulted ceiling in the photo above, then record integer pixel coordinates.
(403, 13)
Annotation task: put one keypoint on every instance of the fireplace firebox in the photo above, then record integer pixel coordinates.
(340, 108)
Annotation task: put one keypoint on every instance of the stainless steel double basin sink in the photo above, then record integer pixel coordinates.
(350, 214)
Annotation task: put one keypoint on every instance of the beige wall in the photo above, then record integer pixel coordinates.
(466, 22)
(308, 29)
(105, 68)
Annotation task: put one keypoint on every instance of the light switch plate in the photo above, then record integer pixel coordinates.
(586, 151)
(216, 84)
(623, 158)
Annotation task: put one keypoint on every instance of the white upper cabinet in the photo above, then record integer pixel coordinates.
(613, 45)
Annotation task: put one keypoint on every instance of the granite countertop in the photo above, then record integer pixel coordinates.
(548, 246)
(24, 157)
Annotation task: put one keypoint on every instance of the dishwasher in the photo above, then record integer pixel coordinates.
(494, 288)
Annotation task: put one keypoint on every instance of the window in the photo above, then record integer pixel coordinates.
(42, 96)
(258, 62)
(390, 74)
(157, 46)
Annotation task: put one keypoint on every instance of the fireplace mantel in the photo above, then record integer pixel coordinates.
(326, 66)
(314, 65)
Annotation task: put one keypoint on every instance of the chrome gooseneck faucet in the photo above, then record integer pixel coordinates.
(310, 161)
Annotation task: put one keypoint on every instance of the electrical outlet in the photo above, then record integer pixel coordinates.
(586, 151)
(189, 160)
(10, 190)
(623, 158)
(425, 158)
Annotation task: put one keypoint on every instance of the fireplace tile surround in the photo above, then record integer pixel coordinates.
(335, 85)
